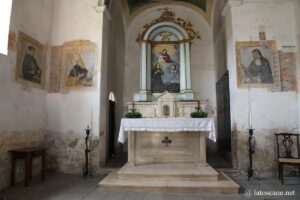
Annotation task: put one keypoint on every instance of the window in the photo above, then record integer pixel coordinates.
(5, 11)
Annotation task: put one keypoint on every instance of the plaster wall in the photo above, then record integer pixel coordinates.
(22, 108)
(297, 19)
(202, 59)
(219, 38)
(116, 61)
(271, 111)
(69, 114)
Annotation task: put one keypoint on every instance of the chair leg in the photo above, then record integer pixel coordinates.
(278, 170)
(281, 167)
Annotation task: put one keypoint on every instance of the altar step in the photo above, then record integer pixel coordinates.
(168, 171)
(163, 178)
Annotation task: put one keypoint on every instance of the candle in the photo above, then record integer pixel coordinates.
(249, 107)
(91, 117)
(250, 120)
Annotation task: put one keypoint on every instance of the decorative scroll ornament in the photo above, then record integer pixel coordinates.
(169, 16)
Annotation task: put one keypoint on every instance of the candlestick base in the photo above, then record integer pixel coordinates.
(86, 171)
(251, 152)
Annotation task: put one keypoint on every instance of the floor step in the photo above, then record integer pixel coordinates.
(223, 185)
(168, 171)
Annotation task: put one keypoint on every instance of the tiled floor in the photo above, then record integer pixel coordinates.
(74, 187)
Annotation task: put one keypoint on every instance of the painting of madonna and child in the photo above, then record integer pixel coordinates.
(165, 72)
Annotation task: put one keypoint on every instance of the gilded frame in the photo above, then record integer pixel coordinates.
(263, 72)
(35, 76)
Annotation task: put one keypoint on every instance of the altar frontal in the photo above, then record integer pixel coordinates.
(167, 140)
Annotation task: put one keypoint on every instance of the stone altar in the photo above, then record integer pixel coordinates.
(167, 154)
(167, 161)
(166, 140)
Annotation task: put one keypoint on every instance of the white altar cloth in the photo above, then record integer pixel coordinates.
(167, 125)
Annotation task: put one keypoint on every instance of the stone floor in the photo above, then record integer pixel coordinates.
(74, 187)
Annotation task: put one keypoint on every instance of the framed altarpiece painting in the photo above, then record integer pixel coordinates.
(165, 62)
(258, 65)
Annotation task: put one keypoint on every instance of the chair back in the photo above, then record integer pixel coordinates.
(287, 145)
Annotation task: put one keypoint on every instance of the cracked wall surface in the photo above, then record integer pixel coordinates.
(15, 140)
(66, 152)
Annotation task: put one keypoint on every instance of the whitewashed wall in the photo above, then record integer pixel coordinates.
(271, 111)
(68, 114)
(72, 111)
(116, 61)
(23, 112)
(297, 20)
(219, 37)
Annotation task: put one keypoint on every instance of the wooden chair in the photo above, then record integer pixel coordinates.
(287, 151)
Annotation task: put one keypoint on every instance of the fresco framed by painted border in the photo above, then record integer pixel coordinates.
(258, 65)
(30, 67)
(78, 65)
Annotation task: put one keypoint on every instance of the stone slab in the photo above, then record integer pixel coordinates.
(141, 180)
(223, 185)
(168, 171)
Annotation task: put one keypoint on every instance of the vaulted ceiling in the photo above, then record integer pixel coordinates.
(134, 5)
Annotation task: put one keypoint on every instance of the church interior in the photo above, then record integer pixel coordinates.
(149, 99)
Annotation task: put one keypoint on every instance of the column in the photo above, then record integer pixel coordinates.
(188, 66)
(182, 68)
(148, 67)
(185, 72)
(145, 74)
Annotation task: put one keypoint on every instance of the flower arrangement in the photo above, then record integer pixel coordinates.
(133, 113)
(199, 113)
